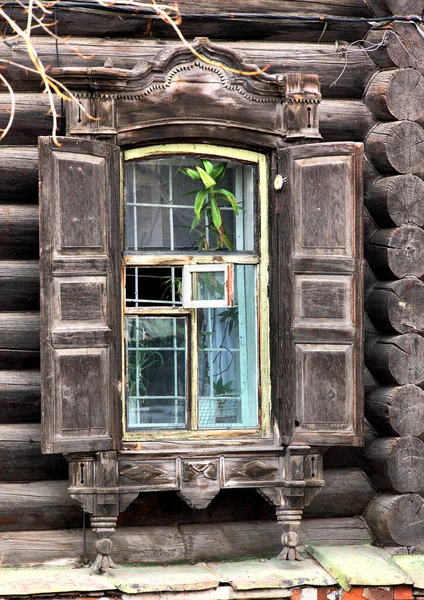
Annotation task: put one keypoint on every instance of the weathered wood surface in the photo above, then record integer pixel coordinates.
(396, 147)
(20, 397)
(397, 519)
(34, 506)
(396, 464)
(21, 459)
(397, 306)
(83, 21)
(177, 544)
(340, 120)
(370, 227)
(405, 7)
(397, 359)
(18, 231)
(396, 94)
(19, 285)
(344, 457)
(397, 200)
(20, 331)
(18, 173)
(397, 410)
(326, 60)
(347, 493)
(397, 252)
(399, 45)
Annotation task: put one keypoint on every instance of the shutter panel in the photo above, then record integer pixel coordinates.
(80, 297)
(317, 283)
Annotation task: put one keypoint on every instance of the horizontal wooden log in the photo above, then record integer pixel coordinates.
(396, 464)
(396, 253)
(344, 457)
(396, 147)
(18, 231)
(339, 119)
(347, 493)
(176, 544)
(405, 7)
(18, 174)
(397, 359)
(20, 397)
(397, 519)
(399, 45)
(396, 94)
(20, 331)
(20, 359)
(397, 306)
(396, 411)
(397, 200)
(19, 285)
(21, 459)
(326, 60)
(111, 23)
(36, 505)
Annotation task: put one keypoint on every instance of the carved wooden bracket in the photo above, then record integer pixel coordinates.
(200, 482)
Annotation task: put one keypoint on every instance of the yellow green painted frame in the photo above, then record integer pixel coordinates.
(264, 430)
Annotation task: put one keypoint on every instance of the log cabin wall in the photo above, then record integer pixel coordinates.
(376, 97)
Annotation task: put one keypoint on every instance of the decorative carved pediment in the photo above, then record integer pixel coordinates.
(209, 84)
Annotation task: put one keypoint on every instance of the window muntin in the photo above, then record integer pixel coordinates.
(227, 377)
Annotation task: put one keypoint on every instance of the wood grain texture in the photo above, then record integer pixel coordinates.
(397, 306)
(18, 172)
(400, 45)
(83, 21)
(397, 359)
(20, 331)
(397, 519)
(396, 147)
(19, 285)
(19, 397)
(18, 231)
(397, 200)
(405, 7)
(396, 464)
(397, 252)
(21, 459)
(396, 94)
(397, 411)
(171, 544)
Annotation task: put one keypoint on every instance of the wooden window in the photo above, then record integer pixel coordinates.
(196, 257)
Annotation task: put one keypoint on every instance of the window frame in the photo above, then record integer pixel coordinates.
(260, 257)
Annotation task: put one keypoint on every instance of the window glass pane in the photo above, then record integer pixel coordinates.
(161, 195)
(153, 286)
(228, 358)
(156, 376)
(208, 285)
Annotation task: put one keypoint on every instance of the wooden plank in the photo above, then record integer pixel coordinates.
(20, 331)
(18, 231)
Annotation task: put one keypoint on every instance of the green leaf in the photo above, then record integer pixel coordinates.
(207, 165)
(198, 202)
(206, 179)
(191, 173)
(230, 197)
(194, 224)
(216, 214)
(227, 242)
(219, 171)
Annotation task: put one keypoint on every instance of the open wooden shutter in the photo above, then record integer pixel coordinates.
(80, 297)
(316, 287)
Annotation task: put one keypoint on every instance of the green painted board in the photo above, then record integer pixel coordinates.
(359, 565)
(50, 580)
(273, 573)
(413, 566)
(172, 578)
